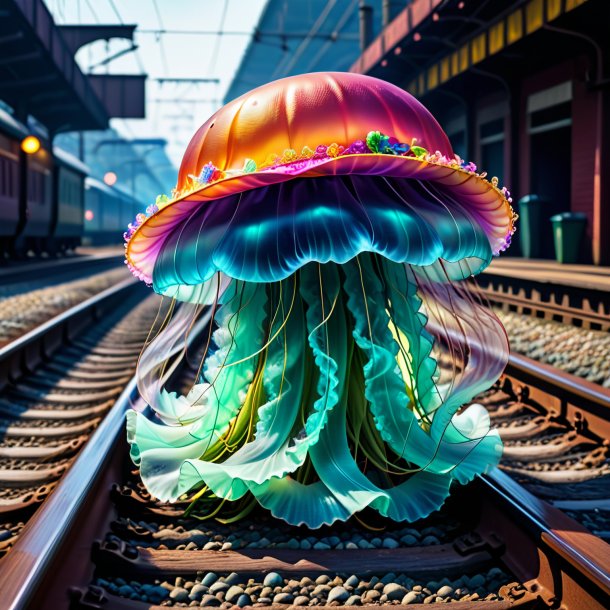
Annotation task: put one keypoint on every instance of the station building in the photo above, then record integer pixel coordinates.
(521, 88)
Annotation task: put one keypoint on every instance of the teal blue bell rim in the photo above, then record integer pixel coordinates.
(266, 234)
(347, 346)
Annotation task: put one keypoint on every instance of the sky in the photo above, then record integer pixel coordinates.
(161, 55)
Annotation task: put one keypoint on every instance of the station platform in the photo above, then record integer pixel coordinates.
(552, 273)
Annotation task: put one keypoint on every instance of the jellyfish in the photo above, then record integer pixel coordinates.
(318, 241)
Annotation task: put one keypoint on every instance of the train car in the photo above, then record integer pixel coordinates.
(69, 192)
(41, 195)
(36, 226)
(11, 188)
(108, 211)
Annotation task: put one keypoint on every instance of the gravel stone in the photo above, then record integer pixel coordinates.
(371, 595)
(445, 591)
(232, 579)
(321, 590)
(283, 598)
(476, 581)
(232, 595)
(209, 600)
(179, 595)
(389, 543)
(219, 586)
(354, 600)
(301, 600)
(388, 578)
(126, 591)
(410, 598)
(394, 591)
(293, 544)
(273, 579)
(212, 546)
(338, 594)
(209, 579)
(243, 600)
(352, 581)
(197, 592)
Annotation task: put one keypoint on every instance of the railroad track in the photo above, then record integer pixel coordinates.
(556, 427)
(26, 276)
(584, 306)
(32, 293)
(101, 541)
(57, 382)
(565, 325)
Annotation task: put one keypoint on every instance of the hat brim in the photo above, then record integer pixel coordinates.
(484, 199)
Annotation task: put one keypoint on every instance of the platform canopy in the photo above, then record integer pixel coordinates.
(39, 76)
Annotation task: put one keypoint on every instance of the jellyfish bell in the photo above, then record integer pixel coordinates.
(326, 221)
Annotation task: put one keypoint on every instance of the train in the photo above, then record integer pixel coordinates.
(49, 203)
(108, 211)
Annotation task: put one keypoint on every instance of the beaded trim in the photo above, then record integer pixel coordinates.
(374, 143)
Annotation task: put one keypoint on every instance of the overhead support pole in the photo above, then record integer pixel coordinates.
(366, 25)
(390, 9)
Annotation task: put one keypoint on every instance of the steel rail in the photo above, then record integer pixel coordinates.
(584, 551)
(583, 393)
(29, 350)
(41, 541)
(42, 538)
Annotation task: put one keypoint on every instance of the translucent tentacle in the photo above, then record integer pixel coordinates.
(398, 426)
(161, 450)
(270, 453)
(286, 498)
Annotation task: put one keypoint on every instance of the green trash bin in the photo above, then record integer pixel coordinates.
(530, 225)
(568, 230)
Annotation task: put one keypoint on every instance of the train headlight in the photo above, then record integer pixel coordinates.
(89, 215)
(30, 145)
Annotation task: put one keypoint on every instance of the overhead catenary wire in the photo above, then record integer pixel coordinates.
(292, 58)
(214, 54)
(160, 39)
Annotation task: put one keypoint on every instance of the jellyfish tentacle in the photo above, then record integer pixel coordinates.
(445, 450)
(384, 386)
(466, 326)
(407, 318)
(315, 504)
(161, 450)
(343, 489)
(268, 454)
(417, 496)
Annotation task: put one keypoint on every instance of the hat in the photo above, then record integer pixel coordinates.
(334, 129)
